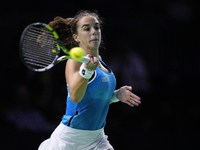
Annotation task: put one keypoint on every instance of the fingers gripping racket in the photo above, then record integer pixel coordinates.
(40, 48)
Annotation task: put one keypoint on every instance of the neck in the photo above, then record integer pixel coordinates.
(93, 52)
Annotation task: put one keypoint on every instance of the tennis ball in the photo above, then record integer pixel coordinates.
(77, 53)
(53, 51)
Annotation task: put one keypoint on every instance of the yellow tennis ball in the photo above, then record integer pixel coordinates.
(77, 53)
(53, 51)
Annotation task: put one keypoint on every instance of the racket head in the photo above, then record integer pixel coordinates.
(39, 47)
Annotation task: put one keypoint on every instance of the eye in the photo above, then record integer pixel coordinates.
(96, 27)
(86, 28)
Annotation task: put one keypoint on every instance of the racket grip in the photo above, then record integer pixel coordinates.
(85, 59)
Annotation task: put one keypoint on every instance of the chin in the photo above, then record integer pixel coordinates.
(95, 46)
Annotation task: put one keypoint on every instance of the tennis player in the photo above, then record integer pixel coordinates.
(91, 88)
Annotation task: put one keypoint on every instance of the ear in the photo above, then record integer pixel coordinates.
(76, 38)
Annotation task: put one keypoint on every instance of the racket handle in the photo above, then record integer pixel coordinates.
(85, 59)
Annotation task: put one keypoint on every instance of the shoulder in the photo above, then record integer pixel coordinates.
(72, 65)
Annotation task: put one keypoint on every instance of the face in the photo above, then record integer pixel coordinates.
(89, 33)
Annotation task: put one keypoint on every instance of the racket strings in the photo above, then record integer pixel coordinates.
(34, 50)
(37, 47)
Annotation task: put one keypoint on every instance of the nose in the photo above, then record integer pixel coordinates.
(94, 31)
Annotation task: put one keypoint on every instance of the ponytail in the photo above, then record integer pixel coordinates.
(63, 27)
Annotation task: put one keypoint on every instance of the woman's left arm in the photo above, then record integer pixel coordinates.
(125, 95)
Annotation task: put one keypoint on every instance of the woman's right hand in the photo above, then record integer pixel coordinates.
(93, 63)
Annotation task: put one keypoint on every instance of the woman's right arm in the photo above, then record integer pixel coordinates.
(76, 83)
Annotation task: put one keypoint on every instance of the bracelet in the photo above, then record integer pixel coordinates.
(87, 74)
(114, 98)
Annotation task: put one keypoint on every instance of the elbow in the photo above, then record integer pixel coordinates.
(75, 99)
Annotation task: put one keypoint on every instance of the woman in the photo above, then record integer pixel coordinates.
(91, 88)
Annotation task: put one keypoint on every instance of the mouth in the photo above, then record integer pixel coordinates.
(94, 40)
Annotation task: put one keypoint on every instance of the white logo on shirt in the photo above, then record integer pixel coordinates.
(105, 79)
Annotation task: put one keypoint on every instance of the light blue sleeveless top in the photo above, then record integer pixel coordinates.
(90, 113)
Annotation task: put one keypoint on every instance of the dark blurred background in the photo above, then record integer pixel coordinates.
(149, 44)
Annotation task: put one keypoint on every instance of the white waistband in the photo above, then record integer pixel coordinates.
(65, 131)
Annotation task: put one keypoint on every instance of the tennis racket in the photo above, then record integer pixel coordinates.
(40, 48)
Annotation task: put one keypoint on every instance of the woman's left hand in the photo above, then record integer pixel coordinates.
(125, 95)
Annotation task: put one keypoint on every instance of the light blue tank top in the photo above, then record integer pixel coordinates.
(90, 113)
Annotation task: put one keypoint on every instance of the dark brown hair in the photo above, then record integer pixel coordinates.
(67, 27)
